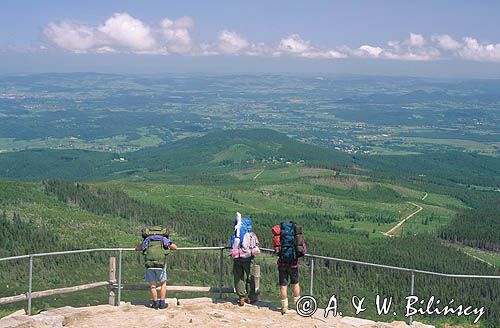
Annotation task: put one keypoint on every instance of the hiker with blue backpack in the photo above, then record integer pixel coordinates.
(244, 246)
(289, 245)
(154, 247)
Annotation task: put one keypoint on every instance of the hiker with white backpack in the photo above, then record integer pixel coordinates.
(244, 246)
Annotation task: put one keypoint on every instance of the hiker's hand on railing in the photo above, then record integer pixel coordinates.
(172, 247)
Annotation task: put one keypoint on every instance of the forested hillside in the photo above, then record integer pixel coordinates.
(476, 228)
(202, 154)
(440, 167)
(345, 203)
(423, 252)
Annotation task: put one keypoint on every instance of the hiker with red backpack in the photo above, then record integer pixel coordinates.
(154, 247)
(289, 245)
(244, 246)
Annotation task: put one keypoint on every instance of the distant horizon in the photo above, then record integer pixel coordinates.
(250, 73)
(129, 65)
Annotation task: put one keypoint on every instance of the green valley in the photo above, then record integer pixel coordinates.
(194, 186)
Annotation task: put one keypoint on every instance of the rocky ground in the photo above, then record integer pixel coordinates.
(186, 313)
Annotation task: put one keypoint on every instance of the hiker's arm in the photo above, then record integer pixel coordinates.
(172, 247)
(138, 247)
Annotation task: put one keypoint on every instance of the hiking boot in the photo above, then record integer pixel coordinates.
(241, 301)
(155, 304)
(284, 306)
(163, 305)
(284, 310)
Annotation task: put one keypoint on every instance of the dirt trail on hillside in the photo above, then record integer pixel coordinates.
(394, 229)
(258, 174)
(200, 312)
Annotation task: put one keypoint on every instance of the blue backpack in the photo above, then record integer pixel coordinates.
(288, 252)
(246, 226)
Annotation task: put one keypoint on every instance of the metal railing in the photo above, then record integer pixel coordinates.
(120, 251)
(221, 249)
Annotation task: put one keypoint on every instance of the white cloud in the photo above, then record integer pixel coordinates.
(229, 42)
(446, 42)
(177, 34)
(425, 55)
(294, 45)
(332, 54)
(105, 50)
(72, 37)
(122, 33)
(369, 51)
(412, 49)
(416, 40)
(126, 31)
(473, 50)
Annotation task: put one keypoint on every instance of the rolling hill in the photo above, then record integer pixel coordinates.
(210, 152)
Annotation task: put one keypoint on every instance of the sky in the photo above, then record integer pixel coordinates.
(450, 38)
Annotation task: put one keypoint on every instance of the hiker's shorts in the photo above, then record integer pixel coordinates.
(285, 273)
(156, 274)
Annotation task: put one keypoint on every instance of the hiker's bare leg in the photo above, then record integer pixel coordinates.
(296, 290)
(296, 293)
(283, 292)
(284, 299)
(152, 289)
(163, 291)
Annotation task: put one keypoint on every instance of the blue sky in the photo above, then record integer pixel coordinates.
(434, 38)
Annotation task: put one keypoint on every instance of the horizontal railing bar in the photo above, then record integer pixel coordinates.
(10, 258)
(263, 249)
(49, 292)
(13, 299)
(172, 288)
(391, 267)
(78, 251)
(200, 248)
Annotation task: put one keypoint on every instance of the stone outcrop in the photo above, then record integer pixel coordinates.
(198, 312)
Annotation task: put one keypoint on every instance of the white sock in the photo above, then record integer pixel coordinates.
(284, 303)
(295, 299)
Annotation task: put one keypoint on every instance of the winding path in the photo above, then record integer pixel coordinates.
(393, 230)
(257, 175)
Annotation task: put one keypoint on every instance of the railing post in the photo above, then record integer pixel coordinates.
(30, 285)
(221, 268)
(257, 281)
(312, 277)
(119, 277)
(112, 280)
(412, 289)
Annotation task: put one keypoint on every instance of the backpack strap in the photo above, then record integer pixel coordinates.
(165, 241)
